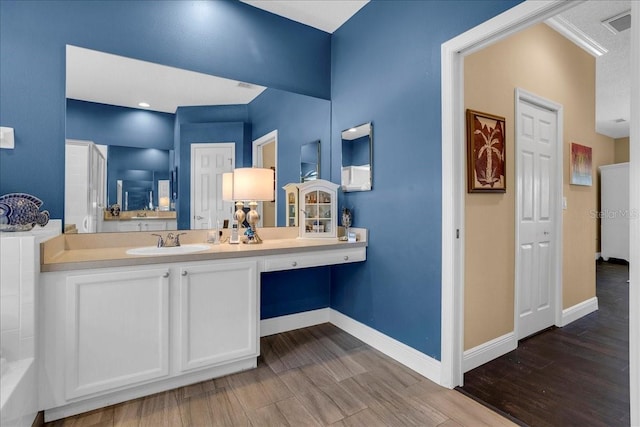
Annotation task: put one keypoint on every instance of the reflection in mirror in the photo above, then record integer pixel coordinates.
(140, 171)
(310, 161)
(234, 112)
(357, 158)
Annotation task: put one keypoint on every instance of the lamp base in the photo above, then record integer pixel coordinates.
(252, 232)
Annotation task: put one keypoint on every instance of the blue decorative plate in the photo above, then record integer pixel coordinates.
(21, 212)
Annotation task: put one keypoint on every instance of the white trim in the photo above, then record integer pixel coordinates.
(195, 146)
(277, 325)
(576, 35)
(256, 161)
(408, 356)
(579, 310)
(522, 95)
(513, 20)
(634, 206)
(598, 255)
(483, 353)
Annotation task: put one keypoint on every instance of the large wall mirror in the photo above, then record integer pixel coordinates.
(357, 158)
(148, 146)
(310, 161)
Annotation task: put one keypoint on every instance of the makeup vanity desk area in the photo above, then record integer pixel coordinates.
(115, 327)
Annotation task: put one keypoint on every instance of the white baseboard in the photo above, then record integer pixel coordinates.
(277, 325)
(598, 255)
(579, 310)
(488, 351)
(402, 353)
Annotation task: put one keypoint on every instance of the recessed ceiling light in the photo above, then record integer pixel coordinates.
(143, 105)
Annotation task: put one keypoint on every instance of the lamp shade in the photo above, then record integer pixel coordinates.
(253, 184)
(227, 186)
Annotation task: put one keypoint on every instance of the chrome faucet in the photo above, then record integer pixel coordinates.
(172, 240)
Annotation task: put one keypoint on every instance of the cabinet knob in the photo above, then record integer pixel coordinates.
(294, 263)
(165, 275)
(184, 272)
(346, 257)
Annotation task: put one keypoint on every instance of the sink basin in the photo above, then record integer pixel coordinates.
(175, 250)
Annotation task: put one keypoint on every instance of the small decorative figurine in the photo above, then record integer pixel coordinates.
(21, 212)
(115, 209)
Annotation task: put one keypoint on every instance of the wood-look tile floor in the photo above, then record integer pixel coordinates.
(317, 376)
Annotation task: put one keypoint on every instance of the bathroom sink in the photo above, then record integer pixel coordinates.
(172, 250)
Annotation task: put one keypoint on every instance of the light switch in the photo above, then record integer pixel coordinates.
(6, 138)
(564, 203)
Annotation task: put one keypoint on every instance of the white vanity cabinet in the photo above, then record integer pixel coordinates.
(114, 334)
(116, 330)
(318, 207)
(218, 313)
(140, 225)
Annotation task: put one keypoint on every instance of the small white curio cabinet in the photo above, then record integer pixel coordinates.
(318, 209)
(291, 196)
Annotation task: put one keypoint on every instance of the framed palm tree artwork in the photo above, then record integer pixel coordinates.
(486, 171)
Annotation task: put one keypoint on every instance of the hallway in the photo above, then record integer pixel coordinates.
(576, 375)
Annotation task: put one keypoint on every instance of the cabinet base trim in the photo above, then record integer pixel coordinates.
(146, 390)
(413, 359)
(277, 325)
(579, 310)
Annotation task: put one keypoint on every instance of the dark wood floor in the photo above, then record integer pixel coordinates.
(577, 375)
(317, 376)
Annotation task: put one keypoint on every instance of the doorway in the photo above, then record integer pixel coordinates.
(453, 52)
(265, 155)
(208, 163)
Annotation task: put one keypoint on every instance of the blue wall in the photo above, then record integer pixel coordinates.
(299, 119)
(382, 66)
(112, 125)
(225, 38)
(386, 69)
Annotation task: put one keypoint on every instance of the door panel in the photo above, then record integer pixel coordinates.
(536, 178)
(208, 163)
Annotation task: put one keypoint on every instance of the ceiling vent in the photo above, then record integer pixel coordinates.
(245, 85)
(619, 23)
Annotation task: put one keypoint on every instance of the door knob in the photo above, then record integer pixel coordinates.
(199, 217)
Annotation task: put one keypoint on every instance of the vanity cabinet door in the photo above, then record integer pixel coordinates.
(117, 330)
(219, 314)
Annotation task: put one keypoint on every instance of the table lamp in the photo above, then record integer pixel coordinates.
(255, 185)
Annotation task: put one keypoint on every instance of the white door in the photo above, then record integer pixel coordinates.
(536, 257)
(208, 163)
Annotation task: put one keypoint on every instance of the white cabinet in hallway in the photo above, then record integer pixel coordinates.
(615, 215)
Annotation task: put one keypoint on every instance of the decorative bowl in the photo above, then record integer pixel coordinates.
(21, 212)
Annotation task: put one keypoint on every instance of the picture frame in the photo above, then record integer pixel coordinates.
(581, 165)
(486, 153)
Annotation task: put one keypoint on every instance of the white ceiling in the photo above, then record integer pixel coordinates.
(325, 15)
(99, 77)
(583, 25)
(111, 79)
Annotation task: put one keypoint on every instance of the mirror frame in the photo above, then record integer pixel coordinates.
(345, 188)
